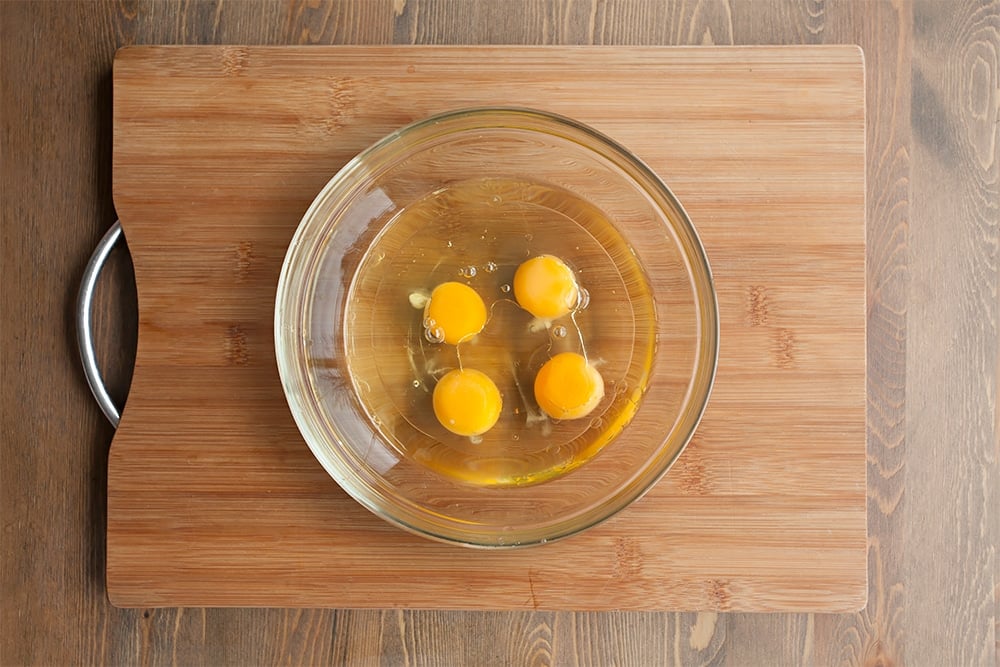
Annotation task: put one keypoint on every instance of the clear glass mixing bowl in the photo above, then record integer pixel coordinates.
(341, 355)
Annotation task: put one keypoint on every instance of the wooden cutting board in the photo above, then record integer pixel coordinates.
(215, 500)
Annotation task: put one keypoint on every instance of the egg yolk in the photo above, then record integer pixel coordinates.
(456, 312)
(545, 287)
(567, 387)
(467, 402)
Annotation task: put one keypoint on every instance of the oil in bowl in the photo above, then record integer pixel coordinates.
(477, 233)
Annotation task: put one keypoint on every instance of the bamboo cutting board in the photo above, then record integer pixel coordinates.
(215, 500)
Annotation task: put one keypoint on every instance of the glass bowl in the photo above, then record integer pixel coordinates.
(466, 196)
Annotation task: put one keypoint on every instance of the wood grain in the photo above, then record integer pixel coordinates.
(56, 180)
(953, 319)
(207, 454)
(875, 635)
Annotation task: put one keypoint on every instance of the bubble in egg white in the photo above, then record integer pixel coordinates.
(434, 334)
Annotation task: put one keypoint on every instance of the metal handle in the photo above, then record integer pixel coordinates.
(84, 337)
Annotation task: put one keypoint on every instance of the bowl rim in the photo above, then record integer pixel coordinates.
(709, 324)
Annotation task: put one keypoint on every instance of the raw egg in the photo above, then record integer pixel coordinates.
(467, 402)
(454, 313)
(568, 387)
(546, 287)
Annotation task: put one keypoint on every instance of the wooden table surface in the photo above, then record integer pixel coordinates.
(933, 296)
